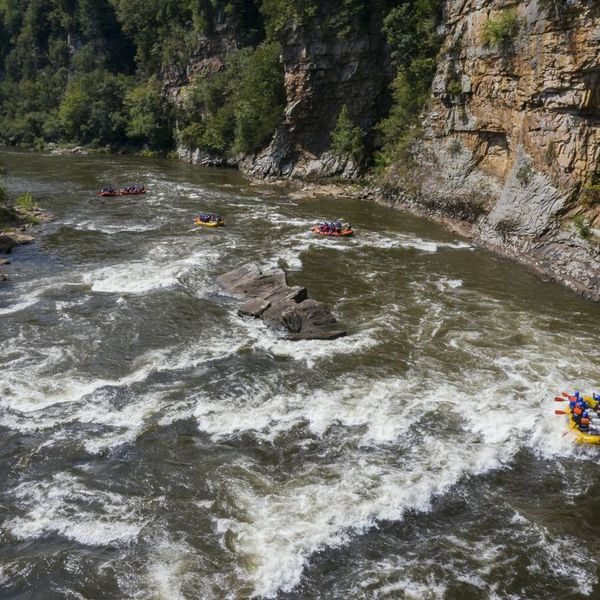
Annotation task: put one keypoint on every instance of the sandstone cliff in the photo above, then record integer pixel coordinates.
(515, 126)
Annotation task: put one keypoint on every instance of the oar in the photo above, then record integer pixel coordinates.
(559, 399)
(560, 412)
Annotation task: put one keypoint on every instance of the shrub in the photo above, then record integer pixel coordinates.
(3, 195)
(506, 227)
(347, 139)
(524, 174)
(25, 202)
(455, 146)
(590, 195)
(502, 29)
(582, 225)
(455, 87)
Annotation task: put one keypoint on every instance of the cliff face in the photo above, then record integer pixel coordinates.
(512, 130)
(326, 67)
(515, 128)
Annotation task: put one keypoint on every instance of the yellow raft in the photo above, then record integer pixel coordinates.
(580, 436)
(218, 223)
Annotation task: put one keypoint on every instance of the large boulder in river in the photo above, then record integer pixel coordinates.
(270, 298)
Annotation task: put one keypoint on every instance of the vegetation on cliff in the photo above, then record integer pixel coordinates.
(411, 33)
(238, 108)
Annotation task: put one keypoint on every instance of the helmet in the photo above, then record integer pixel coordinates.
(577, 394)
(585, 414)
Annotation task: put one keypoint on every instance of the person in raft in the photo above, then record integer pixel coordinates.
(584, 422)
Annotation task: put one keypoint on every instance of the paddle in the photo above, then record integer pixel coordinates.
(559, 399)
(560, 412)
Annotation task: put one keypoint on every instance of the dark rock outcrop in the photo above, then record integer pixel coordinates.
(271, 299)
(7, 243)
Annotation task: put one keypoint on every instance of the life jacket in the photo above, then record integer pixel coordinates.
(577, 411)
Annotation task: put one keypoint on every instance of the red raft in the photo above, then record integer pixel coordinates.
(108, 193)
(132, 191)
(332, 233)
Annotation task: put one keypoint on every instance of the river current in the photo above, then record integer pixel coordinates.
(154, 445)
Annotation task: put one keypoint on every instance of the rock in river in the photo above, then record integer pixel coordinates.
(269, 297)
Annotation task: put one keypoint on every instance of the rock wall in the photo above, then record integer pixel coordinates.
(327, 64)
(515, 128)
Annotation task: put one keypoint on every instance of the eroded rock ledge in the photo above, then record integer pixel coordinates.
(269, 297)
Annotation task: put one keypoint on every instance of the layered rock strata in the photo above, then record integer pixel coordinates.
(269, 297)
(513, 135)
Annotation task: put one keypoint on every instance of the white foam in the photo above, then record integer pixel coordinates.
(161, 268)
(444, 284)
(31, 298)
(65, 506)
(293, 519)
(101, 226)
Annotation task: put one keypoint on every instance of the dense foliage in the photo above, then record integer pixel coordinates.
(347, 140)
(93, 71)
(240, 106)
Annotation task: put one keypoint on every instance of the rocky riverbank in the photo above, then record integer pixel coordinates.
(269, 297)
(560, 254)
(15, 228)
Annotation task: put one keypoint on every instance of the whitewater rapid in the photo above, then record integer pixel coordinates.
(446, 378)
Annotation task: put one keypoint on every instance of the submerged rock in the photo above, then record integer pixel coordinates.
(273, 300)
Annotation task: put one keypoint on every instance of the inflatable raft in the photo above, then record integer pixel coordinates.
(125, 192)
(218, 223)
(343, 233)
(581, 437)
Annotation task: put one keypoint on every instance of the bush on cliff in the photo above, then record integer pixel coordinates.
(502, 29)
(414, 43)
(347, 139)
(150, 115)
(92, 110)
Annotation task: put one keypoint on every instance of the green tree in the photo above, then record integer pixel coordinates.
(258, 98)
(92, 110)
(411, 33)
(150, 115)
(347, 139)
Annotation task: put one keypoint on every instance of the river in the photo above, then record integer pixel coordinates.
(154, 445)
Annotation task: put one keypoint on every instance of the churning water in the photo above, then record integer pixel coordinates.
(154, 445)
